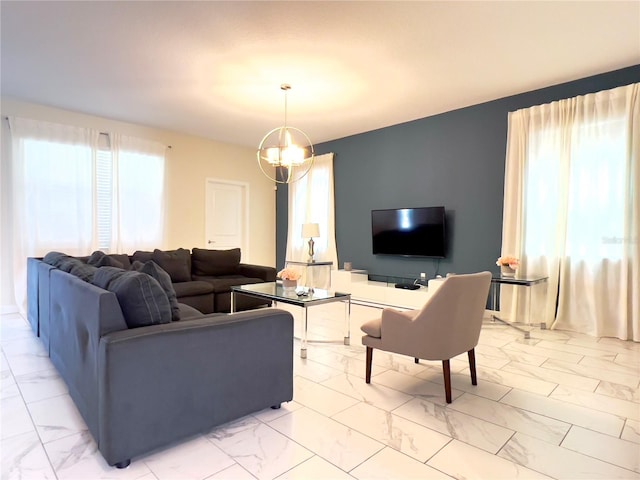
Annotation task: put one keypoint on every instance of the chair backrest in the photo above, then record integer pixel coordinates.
(449, 323)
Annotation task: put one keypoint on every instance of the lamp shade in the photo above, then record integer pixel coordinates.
(310, 230)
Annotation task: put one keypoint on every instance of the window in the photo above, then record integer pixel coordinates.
(104, 194)
(56, 193)
(595, 200)
(571, 209)
(77, 190)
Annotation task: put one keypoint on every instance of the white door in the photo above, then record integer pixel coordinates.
(227, 216)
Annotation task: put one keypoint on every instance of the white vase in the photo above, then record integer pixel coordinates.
(507, 271)
(289, 284)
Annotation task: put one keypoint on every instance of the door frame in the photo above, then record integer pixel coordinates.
(245, 197)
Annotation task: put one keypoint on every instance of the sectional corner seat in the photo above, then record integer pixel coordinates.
(142, 388)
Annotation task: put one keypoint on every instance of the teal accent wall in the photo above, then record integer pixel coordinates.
(455, 159)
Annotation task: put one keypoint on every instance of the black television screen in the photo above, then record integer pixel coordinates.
(411, 232)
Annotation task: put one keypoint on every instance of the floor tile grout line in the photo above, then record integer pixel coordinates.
(338, 422)
(33, 423)
(340, 371)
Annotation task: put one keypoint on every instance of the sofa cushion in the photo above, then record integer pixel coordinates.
(142, 299)
(215, 262)
(189, 289)
(224, 283)
(153, 269)
(187, 312)
(177, 263)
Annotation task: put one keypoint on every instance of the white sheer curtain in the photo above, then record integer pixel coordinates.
(138, 194)
(52, 192)
(64, 179)
(311, 200)
(572, 210)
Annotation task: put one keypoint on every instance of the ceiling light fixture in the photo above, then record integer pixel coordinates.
(285, 154)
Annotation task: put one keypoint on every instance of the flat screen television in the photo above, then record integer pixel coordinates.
(410, 232)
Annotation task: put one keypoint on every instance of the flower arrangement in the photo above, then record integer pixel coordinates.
(288, 274)
(508, 261)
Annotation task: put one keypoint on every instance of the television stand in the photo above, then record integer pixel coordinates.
(382, 294)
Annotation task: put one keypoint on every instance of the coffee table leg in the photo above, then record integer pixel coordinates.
(347, 317)
(303, 350)
(233, 301)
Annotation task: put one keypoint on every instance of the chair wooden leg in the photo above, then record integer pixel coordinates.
(417, 360)
(446, 371)
(369, 359)
(472, 366)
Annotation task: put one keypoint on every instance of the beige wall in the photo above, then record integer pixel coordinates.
(190, 161)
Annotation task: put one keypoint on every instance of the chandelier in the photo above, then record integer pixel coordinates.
(285, 154)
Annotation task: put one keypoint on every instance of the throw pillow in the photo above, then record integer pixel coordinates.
(163, 278)
(177, 263)
(215, 262)
(141, 256)
(69, 264)
(54, 258)
(123, 258)
(101, 259)
(83, 271)
(142, 299)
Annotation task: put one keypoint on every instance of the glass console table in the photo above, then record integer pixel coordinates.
(528, 283)
(309, 277)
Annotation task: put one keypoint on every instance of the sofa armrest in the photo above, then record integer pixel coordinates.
(267, 274)
(161, 383)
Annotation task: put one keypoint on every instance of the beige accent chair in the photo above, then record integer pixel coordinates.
(448, 325)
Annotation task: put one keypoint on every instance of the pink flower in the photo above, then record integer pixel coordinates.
(508, 260)
(288, 274)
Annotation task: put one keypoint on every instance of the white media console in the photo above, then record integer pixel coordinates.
(357, 283)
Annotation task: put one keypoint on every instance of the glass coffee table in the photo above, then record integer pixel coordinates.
(276, 293)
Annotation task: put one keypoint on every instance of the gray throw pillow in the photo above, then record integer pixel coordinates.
(100, 259)
(67, 264)
(54, 258)
(177, 263)
(142, 299)
(83, 271)
(163, 278)
(141, 256)
(70, 264)
(215, 262)
(123, 258)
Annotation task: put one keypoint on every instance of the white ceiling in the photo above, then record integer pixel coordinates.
(214, 69)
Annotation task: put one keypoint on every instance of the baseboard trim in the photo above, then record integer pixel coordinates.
(7, 309)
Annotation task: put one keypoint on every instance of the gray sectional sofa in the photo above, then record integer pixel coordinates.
(203, 278)
(142, 388)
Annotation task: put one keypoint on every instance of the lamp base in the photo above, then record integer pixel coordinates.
(311, 252)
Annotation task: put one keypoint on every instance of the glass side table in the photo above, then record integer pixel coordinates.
(528, 283)
(311, 278)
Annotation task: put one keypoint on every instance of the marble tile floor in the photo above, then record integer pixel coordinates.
(559, 405)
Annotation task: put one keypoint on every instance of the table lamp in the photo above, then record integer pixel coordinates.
(310, 230)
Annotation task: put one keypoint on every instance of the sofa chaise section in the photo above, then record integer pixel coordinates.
(139, 389)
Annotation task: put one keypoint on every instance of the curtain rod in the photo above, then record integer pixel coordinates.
(101, 133)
